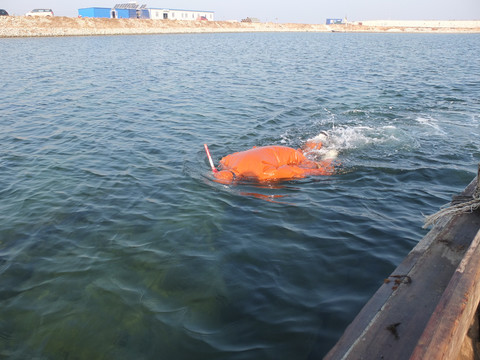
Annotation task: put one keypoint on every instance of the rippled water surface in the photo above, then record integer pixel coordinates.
(115, 243)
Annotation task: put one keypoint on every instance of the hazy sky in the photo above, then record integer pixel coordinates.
(300, 11)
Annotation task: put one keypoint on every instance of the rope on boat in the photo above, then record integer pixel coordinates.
(467, 204)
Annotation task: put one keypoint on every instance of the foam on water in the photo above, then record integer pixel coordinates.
(434, 124)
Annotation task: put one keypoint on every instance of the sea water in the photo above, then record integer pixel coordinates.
(115, 243)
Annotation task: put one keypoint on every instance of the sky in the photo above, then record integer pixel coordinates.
(299, 11)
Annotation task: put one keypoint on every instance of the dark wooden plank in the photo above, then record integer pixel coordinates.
(391, 323)
(448, 325)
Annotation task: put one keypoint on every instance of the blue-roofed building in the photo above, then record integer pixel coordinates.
(124, 13)
(95, 12)
(143, 14)
(335, 21)
(127, 11)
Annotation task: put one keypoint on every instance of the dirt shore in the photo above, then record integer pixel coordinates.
(20, 26)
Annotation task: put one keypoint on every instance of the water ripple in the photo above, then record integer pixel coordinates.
(116, 243)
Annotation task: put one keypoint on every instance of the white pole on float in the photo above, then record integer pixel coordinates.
(210, 158)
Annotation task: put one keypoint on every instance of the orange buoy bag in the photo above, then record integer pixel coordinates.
(269, 163)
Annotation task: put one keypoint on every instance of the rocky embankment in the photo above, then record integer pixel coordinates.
(20, 26)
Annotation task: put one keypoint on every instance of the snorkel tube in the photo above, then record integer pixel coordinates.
(214, 170)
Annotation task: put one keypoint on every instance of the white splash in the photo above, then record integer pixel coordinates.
(432, 123)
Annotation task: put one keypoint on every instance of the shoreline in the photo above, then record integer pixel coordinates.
(21, 26)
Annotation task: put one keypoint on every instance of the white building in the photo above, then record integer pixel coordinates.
(176, 14)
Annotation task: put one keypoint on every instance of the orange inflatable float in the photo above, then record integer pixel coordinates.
(271, 163)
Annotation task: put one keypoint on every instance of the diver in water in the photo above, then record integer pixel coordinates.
(275, 163)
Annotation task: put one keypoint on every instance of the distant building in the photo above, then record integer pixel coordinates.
(335, 21)
(95, 12)
(178, 14)
(132, 10)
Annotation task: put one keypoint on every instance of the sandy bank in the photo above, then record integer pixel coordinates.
(20, 26)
